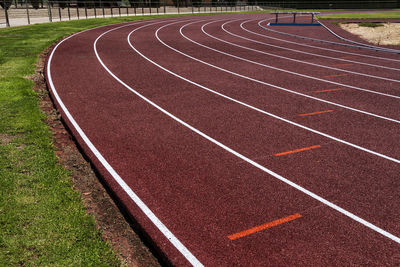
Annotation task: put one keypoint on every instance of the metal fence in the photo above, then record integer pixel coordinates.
(22, 12)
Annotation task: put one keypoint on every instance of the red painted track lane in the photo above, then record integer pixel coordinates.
(276, 101)
(332, 64)
(299, 83)
(201, 192)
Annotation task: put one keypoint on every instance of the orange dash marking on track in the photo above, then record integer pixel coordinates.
(342, 65)
(335, 75)
(296, 150)
(264, 226)
(314, 113)
(328, 90)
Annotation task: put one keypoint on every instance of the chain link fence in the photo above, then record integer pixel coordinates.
(22, 12)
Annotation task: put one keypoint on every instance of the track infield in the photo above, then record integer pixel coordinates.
(234, 145)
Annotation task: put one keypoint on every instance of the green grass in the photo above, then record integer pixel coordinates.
(382, 15)
(42, 219)
(362, 24)
(370, 24)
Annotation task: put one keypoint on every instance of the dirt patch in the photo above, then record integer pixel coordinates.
(384, 34)
(5, 139)
(115, 228)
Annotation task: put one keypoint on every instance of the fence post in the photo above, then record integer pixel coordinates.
(77, 11)
(49, 11)
(165, 3)
(85, 10)
(69, 12)
(27, 12)
(95, 12)
(7, 20)
(119, 11)
(59, 13)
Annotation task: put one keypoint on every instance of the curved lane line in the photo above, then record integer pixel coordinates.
(328, 49)
(275, 86)
(279, 69)
(297, 60)
(252, 107)
(307, 53)
(330, 42)
(143, 207)
(373, 47)
(255, 164)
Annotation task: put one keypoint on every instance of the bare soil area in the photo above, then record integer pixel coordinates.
(384, 34)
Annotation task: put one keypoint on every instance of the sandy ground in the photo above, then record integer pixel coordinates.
(387, 34)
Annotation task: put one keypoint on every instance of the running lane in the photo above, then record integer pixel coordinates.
(213, 181)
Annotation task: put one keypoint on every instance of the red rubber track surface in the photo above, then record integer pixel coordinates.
(203, 193)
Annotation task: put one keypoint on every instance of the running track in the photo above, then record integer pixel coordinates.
(234, 145)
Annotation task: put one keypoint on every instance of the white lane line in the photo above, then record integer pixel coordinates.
(279, 69)
(308, 53)
(255, 164)
(328, 49)
(275, 86)
(296, 60)
(371, 47)
(167, 233)
(143, 207)
(249, 106)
